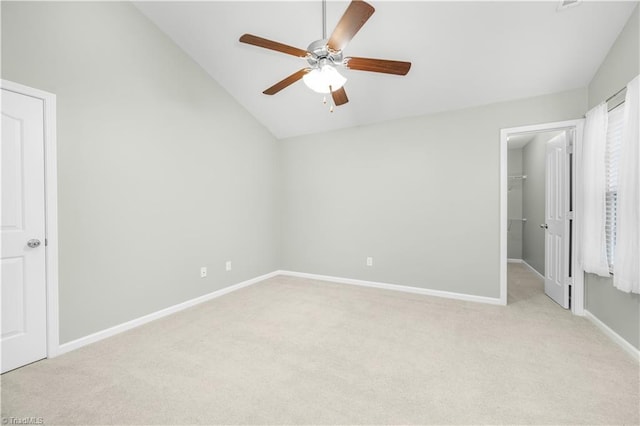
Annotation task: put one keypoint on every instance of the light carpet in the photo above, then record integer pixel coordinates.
(298, 351)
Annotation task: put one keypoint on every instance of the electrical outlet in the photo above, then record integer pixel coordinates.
(203, 272)
(227, 265)
(369, 261)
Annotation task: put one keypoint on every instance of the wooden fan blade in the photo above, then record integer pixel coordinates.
(377, 65)
(273, 45)
(286, 82)
(339, 97)
(353, 19)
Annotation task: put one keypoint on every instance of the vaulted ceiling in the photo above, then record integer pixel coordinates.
(463, 53)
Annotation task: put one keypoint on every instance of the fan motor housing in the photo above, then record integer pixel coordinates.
(320, 54)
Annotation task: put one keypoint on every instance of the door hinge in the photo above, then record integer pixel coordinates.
(570, 149)
(46, 242)
(570, 215)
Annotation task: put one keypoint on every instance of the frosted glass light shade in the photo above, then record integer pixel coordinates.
(319, 80)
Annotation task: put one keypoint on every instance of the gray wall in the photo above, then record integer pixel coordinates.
(514, 207)
(621, 64)
(533, 203)
(620, 311)
(160, 170)
(421, 195)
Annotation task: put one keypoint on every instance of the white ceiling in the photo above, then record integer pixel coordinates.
(463, 53)
(520, 141)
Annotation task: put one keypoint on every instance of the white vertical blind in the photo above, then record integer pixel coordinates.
(612, 161)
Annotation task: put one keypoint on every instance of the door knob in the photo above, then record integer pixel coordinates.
(544, 226)
(33, 243)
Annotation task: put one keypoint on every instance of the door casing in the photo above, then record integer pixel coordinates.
(51, 208)
(577, 286)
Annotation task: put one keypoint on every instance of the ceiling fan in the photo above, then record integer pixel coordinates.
(325, 55)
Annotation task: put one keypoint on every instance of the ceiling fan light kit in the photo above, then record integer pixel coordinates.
(324, 79)
(324, 57)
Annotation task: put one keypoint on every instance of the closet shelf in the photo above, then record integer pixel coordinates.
(524, 219)
(518, 177)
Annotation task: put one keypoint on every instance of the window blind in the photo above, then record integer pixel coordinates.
(612, 160)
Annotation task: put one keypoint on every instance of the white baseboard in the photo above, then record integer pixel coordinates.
(112, 331)
(628, 347)
(100, 335)
(396, 287)
(533, 270)
(515, 261)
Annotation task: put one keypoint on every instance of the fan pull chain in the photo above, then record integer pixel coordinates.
(331, 104)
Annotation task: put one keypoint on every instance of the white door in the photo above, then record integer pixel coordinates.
(24, 325)
(556, 265)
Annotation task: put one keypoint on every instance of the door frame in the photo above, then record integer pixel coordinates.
(51, 208)
(577, 286)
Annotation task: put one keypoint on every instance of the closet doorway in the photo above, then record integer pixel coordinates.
(539, 165)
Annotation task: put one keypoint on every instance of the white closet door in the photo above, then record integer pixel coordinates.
(556, 265)
(24, 325)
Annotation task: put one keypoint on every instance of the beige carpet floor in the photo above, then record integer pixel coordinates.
(298, 351)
